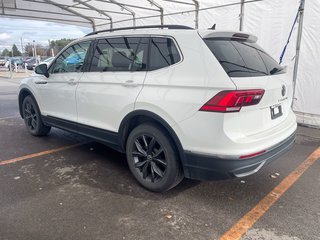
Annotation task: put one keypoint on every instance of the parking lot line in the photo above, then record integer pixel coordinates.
(13, 160)
(8, 117)
(248, 220)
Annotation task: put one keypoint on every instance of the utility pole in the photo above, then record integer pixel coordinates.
(33, 49)
(21, 47)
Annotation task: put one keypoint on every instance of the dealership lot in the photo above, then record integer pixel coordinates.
(66, 186)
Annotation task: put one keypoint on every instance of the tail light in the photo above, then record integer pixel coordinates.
(232, 101)
(252, 155)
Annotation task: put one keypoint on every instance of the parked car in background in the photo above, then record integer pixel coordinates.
(47, 61)
(31, 63)
(75, 58)
(14, 61)
(3, 61)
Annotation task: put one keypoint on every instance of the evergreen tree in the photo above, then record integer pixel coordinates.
(15, 51)
(58, 45)
(5, 53)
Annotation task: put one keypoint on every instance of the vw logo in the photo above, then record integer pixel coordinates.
(283, 90)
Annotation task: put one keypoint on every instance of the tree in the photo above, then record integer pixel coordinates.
(58, 45)
(15, 51)
(41, 50)
(28, 49)
(5, 53)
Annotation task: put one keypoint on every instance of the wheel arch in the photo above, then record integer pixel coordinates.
(137, 117)
(22, 94)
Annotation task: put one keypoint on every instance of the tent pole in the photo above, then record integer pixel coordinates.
(90, 20)
(196, 4)
(95, 9)
(123, 6)
(298, 44)
(160, 9)
(196, 9)
(241, 15)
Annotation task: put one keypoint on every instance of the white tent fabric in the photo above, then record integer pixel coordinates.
(269, 20)
(307, 104)
(272, 27)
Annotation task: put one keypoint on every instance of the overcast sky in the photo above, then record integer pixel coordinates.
(12, 30)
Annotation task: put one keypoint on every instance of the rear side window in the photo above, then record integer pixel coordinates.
(243, 59)
(163, 53)
(120, 54)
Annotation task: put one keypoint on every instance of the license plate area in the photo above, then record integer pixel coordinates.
(276, 111)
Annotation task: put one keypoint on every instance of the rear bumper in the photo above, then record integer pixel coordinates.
(202, 167)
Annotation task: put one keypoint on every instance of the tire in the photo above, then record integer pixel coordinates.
(32, 117)
(152, 158)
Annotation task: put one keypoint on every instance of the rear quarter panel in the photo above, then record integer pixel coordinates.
(177, 92)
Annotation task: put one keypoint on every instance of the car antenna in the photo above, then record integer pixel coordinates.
(213, 27)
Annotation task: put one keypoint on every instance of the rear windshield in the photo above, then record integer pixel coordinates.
(243, 59)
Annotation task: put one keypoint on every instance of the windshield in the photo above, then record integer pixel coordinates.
(243, 59)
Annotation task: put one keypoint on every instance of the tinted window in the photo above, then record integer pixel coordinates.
(71, 59)
(163, 53)
(120, 54)
(229, 58)
(140, 59)
(272, 66)
(243, 59)
(251, 58)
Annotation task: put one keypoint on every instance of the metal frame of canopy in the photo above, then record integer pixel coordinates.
(71, 13)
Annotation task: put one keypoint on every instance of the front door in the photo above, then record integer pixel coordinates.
(57, 92)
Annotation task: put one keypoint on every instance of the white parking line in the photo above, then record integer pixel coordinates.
(9, 117)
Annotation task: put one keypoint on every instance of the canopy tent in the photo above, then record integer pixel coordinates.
(270, 21)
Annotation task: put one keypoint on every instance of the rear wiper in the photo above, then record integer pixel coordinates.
(243, 71)
(275, 70)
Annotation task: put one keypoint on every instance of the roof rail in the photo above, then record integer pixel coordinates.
(141, 27)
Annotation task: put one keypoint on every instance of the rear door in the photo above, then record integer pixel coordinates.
(249, 67)
(107, 92)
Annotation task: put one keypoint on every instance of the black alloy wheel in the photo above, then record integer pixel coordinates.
(152, 158)
(149, 158)
(32, 117)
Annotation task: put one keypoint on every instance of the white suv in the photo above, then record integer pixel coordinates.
(179, 102)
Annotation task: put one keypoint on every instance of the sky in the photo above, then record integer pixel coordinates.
(12, 30)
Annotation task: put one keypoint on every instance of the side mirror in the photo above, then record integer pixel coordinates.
(42, 69)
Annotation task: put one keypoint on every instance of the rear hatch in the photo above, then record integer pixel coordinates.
(250, 67)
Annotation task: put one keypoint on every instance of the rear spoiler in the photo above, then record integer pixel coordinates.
(238, 36)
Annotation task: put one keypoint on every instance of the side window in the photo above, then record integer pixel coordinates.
(163, 53)
(120, 54)
(141, 56)
(71, 59)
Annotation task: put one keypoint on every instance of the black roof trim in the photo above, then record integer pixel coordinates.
(141, 27)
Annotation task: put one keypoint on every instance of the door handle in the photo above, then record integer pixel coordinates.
(72, 81)
(40, 82)
(130, 83)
